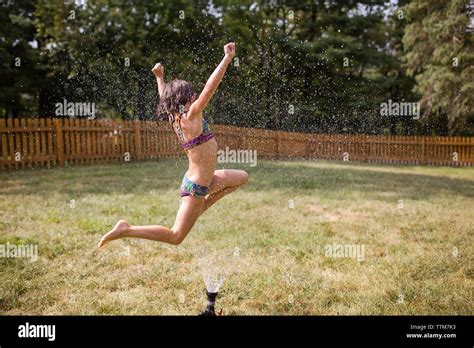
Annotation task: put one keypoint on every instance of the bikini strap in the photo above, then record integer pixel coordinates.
(205, 126)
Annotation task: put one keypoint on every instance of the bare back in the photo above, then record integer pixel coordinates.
(202, 158)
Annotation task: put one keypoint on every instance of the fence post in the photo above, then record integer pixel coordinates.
(59, 141)
(138, 140)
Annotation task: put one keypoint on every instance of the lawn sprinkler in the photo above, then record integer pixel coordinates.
(210, 310)
(213, 283)
(215, 267)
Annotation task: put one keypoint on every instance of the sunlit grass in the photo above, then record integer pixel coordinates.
(415, 223)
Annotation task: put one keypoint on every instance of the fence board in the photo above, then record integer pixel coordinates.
(11, 143)
(17, 141)
(24, 142)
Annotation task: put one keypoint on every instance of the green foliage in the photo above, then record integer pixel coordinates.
(18, 70)
(317, 66)
(439, 53)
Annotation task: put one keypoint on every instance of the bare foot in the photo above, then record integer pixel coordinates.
(115, 233)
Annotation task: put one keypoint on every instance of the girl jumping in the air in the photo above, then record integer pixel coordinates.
(202, 185)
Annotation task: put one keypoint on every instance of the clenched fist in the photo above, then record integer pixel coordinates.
(158, 70)
(229, 50)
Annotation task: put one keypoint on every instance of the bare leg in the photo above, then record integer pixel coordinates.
(224, 182)
(188, 212)
(214, 197)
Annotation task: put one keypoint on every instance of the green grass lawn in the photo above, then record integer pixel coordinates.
(270, 239)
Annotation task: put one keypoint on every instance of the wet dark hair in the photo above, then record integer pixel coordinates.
(175, 96)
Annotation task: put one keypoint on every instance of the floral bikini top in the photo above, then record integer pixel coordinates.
(206, 135)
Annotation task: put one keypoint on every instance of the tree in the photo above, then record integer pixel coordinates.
(19, 74)
(315, 66)
(439, 54)
(102, 51)
(319, 66)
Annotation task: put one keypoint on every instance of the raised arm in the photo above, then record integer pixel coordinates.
(211, 85)
(159, 72)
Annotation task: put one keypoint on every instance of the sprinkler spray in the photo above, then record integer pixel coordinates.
(215, 267)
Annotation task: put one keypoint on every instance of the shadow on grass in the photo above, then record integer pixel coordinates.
(165, 175)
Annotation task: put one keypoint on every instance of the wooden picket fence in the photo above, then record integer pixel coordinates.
(28, 142)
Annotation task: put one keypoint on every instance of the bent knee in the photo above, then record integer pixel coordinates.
(177, 237)
(245, 177)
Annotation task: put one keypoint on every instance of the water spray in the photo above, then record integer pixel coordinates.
(215, 267)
